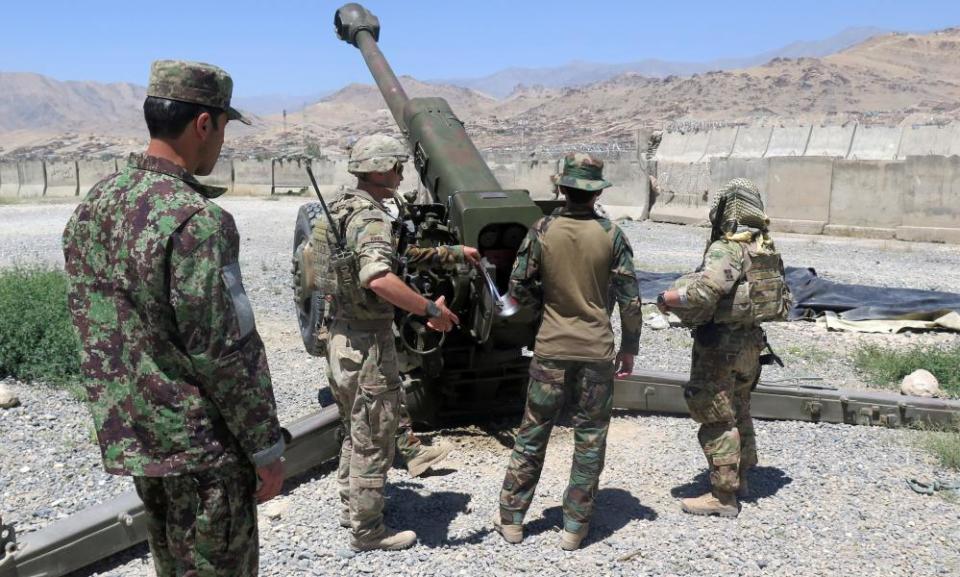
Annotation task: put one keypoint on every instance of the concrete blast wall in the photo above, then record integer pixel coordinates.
(723, 170)
(90, 172)
(798, 195)
(789, 141)
(9, 180)
(253, 177)
(629, 197)
(684, 192)
(830, 141)
(720, 143)
(875, 143)
(290, 175)
(865, 198)
(222, 175)
(532, 175)
(751, 142)
(927, 141)
(62, 180)
(33, 179)
(930, 207)
(677, 147)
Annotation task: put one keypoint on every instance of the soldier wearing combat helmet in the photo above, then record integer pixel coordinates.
(739, 286)
(362, 358)
(176, 374)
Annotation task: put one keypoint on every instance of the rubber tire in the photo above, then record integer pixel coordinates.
(309, 307)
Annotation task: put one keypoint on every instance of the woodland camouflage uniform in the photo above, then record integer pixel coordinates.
(176, 375)
(570, 266)
(741, 271)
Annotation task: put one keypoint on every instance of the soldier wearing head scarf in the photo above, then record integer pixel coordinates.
(175, 372)
(739, 286)
(573, 266)
(362, 358)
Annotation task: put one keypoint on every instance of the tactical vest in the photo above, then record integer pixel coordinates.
(337, 272)
(760, 294)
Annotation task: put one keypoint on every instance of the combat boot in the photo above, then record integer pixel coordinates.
(571, 541)
(743, 488)
(721, 503)
(426, 457)
(388, 540)
(345, 519)
(511, 533)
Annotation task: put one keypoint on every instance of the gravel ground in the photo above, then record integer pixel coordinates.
(831, 499)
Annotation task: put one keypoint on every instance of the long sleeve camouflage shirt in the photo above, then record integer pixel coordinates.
(175, 372)
(570, 265)
(717, 276)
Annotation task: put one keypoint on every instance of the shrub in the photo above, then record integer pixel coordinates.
(886, 367)
(37, 338)
(946, 447)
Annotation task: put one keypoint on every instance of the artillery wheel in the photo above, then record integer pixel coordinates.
(309, 301)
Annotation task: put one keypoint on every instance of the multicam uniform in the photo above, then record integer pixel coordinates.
(739, 285)
(175, 372)
(362, 356)
(565, 266)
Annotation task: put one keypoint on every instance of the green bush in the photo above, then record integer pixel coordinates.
(946, 447)
(37, 338)
(887, 367)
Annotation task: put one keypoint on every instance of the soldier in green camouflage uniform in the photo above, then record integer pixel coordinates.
(739, 285)
(573, 265)
(362, 356)
(176, 375)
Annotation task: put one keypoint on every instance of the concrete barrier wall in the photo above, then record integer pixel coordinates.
(798, 194)
(723, 170)
(788, 141)
(33, 179)
(720, 143)
(930, 207)
(865, 198)
(90, 172)
(830, 141)
(252, 177)
(9, 180)
(752, 142)
(629, 197)
(671, 146)
(926, 141)
(532, 175)
(875, 143)
(62, 181)
(688, 147)
(222, 175)
(290, 175)
(684, 192)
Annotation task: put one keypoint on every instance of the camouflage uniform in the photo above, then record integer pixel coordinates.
(739, 284)
(176, 375)
(362, 357)
(570, 265)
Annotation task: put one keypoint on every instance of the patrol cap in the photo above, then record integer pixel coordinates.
(376, 153)
(194, 82)
(581, 171)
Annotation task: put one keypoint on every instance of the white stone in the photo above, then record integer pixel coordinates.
(8, 400)
(276, 508)
(920, 383)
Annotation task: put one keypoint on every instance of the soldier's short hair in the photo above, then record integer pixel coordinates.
(168, 118)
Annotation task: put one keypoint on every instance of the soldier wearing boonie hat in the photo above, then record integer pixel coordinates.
(569, 266)
(175, 371)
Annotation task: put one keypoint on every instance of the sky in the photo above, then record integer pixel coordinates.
(289, 47)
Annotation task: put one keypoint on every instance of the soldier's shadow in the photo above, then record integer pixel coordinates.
(613, 510)
(429, 515)
(764, 482)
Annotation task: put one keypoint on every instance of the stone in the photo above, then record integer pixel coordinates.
(276, 509)
(8, 399)
(920, 383)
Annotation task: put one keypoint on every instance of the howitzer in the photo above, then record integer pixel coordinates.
(479, 366)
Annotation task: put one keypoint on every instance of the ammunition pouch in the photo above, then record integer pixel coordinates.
(760, 295)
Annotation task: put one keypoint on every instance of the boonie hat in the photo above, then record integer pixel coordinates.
(194, 82)
(582, 171)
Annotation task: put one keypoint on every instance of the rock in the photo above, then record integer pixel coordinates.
(920, 383)
(276, 509)
(656, 321)
(8, 399)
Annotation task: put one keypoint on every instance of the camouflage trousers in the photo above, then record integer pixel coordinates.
(588, 387)
(366, 387)
(724, 369)
(202, 524)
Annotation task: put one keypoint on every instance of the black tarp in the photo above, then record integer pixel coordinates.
(813, 295)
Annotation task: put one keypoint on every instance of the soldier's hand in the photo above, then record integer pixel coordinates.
(624, 364)
(446, 320)
(271, 481)
(471, 255)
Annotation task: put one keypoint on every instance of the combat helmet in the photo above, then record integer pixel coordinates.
(376, 153)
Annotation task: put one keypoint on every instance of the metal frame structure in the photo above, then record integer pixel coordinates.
(118, 524)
